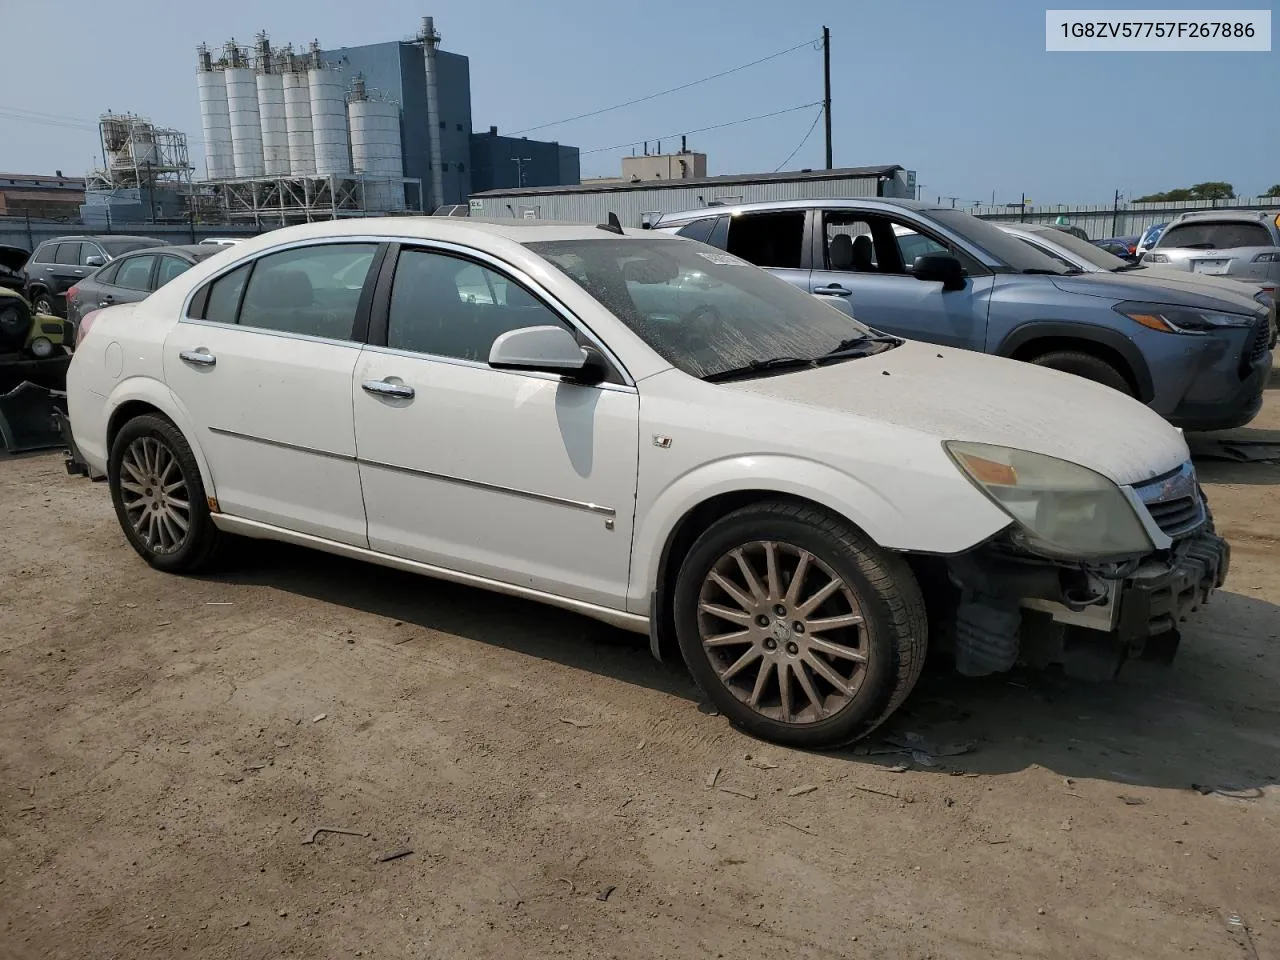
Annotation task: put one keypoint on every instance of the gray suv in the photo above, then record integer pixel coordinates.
(931, 273)
(57, 265)
(1239, 244)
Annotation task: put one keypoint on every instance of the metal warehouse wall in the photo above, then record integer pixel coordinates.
(1101, 220)
(17, 232)
(632, 204)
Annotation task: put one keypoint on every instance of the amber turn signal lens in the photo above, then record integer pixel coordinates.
(990, 472)
(1150, 320)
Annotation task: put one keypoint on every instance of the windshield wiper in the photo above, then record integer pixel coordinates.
(860, 347)
(1128, 266)
(759, 366)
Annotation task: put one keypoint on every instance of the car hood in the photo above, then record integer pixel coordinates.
(961, 395)
(1127, 286)
(1213, 286)
(13, 258)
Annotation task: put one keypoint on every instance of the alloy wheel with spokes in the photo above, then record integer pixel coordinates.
(798, 627)
(155, 495)
(783, 631)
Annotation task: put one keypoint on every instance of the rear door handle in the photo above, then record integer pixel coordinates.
(832, 290)
(199, 357)
(385, 388)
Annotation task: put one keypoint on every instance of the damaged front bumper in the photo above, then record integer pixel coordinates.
(1017, 608)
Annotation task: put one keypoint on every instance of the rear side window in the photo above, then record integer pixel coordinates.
(108, 273)
(768, 239)
(699, 230)
(135, 272)
(68, 253)
(1223, 235)
(45, 253)
(170, 267)
(313, 291)
(224, 296)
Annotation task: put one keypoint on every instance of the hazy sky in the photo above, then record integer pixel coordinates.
(960, 90)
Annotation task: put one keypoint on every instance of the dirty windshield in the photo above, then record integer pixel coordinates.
(701, 309)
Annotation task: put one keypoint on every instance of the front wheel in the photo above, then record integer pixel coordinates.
(1085, 365)
(159, 496)
(798, 628)
(42, 302)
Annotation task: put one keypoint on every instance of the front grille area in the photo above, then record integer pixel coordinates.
(1261, 342)
(1174, 500)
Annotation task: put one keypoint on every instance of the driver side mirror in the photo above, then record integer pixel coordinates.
(547, 349)
(939, 267)
(93, 261)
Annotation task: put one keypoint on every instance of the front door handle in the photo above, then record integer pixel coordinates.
(833, 290)
(200, 358)
(385, 388)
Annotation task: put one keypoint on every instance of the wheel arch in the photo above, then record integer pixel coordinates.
(139, 396)
(1037, 337)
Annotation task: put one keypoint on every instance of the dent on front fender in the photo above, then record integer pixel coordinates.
(898, 510)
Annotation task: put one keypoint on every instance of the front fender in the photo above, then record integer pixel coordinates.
(1129, 351)
(862, 505)
(153, 392)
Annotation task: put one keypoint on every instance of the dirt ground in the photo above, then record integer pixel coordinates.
(167, 746)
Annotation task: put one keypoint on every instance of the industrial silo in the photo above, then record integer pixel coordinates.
(375, 149)
(246, 121)
(328, 117)
(275, 135)
(297, 118)
(214, 117)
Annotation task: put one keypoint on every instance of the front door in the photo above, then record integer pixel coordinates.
(515, 477)
(265, 372)
(865, 265)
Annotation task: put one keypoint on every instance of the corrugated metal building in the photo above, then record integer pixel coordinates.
(639, 203)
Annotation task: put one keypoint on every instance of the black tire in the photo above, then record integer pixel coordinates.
(1085, 365)
(42, 302)
(201, 540)
(894, 631)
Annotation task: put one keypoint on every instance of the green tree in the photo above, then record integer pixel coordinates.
(1209, 190)
(1273, 190)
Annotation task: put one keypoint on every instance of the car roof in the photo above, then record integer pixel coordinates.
(436, 228)
(1234, 216)
(865, 203)
(101, 236)
(189, 250)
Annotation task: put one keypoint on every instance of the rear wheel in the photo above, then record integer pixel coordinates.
(796, 627)
(42, 302)
(1085, 365)
(159, 496)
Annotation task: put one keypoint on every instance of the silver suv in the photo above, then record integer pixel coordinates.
(1240, 244)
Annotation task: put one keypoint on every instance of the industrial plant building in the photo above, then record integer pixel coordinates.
(638, 204)
(349, 131)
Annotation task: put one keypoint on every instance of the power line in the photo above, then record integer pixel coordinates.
(663, 93)
(718, 126)
(65, 124)
(42, 113)
(816, 117)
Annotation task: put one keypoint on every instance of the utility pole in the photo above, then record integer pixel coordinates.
(826, 87)
(1115, 214)
(1022, 208)
(520, 162)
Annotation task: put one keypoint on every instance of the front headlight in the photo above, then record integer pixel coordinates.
(42, 347)
(1170, 319)
(1063, 509)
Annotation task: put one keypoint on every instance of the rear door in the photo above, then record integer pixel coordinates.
(773, 239)
(863, 266)
(264, 367)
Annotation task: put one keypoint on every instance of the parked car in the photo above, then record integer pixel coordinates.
(60, 263)
(651, 432)
(1124, 247)
(31, 347)
(12, 260)
(133, 276)
(220, 241)
(1149, 238)
(1076, 255)
(1199, 360)
(1243, 244)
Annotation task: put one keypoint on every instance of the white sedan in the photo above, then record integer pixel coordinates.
(654, 433)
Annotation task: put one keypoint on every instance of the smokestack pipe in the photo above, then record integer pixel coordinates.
(430, 40)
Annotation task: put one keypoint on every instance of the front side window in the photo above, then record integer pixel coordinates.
(88, 250)
(68, 254)
(768, 239)
(314, 291)
(1223, 235)
(449, 307)
(170, 267)
(704, 311)
(135, 272)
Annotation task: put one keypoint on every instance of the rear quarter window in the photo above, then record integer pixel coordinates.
(45, 253)
(1223, 235)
